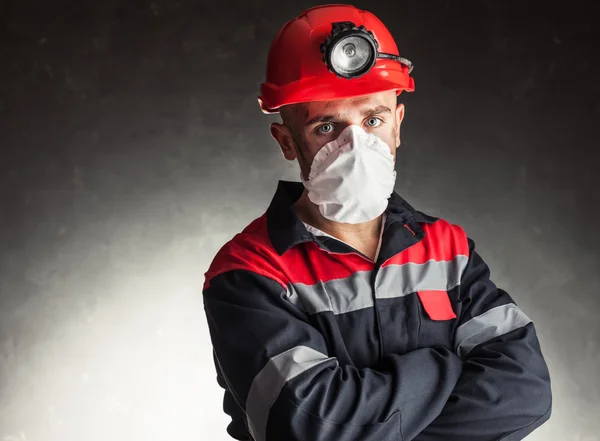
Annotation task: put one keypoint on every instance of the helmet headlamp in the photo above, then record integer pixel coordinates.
(351, 51)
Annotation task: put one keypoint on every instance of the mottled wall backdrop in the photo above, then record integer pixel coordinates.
(132, 148)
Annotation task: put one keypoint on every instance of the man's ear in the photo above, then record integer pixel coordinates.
(399, 118)
(283, 136)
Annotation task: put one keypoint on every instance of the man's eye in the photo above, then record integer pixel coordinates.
(325, 128)
(374, 122)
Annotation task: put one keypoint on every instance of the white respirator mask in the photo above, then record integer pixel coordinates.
(352, 177)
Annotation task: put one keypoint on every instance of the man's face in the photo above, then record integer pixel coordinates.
(309, 126)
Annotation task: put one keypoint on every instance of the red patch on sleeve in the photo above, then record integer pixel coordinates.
(437, 304)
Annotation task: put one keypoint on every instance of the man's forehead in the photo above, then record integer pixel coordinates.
(310, 109)
(374, 99)
(310, 112)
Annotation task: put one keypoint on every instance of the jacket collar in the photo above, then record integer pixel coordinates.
(287, 230)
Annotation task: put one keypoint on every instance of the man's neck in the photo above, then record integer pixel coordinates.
(309, 213)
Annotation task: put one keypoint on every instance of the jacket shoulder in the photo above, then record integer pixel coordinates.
(251, 250)
(440, 230)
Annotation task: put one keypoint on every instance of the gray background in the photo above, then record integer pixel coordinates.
(132, 148)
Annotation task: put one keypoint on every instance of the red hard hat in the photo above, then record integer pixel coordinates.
(297, 72)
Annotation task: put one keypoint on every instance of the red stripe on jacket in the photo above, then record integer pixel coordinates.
(251, 250)
(443, 241)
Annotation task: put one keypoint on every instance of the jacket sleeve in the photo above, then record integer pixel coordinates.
(277, 369)
(504, 390)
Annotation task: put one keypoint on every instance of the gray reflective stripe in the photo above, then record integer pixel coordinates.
(338, 295)
(493, 323)
(356, 291)
(269, 382)
(438, 275)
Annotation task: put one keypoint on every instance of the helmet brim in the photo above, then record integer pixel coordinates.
(332, 88)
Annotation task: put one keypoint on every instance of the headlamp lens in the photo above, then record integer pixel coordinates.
(349, 50)
(352, 55)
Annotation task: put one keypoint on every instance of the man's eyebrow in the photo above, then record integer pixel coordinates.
(377, 111)
(320, 118)
(329, 118)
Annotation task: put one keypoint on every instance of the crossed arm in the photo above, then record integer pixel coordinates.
(503, 392)
(493, 386)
